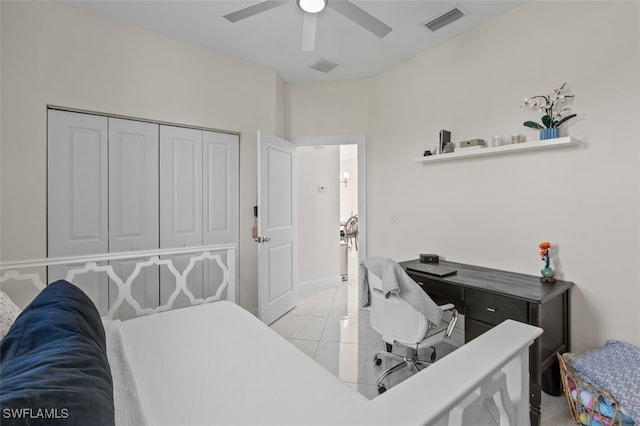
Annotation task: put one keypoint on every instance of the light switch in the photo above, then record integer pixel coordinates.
(394, 218)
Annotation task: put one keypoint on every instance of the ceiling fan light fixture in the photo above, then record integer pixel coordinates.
(312, 6)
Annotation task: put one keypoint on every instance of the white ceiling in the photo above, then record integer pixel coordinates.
(272, 38)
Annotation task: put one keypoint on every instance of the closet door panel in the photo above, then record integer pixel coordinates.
(220, 180)
(180, 203)
(133, 186)
(134, 206)
(77, 184)
(220, 199)
(180, 187)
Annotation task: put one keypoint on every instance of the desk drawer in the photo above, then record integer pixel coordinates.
(494, 309)
(473, 329)
(441, 293)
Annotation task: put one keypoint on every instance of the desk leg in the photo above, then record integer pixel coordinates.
(534, 417)
(551, 380)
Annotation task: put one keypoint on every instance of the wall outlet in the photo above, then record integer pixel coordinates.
(394, 218)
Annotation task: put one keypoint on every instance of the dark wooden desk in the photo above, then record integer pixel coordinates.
(487, 297)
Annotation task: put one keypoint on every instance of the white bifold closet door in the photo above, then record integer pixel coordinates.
(119, 185)
(133, 206)
(77, 196)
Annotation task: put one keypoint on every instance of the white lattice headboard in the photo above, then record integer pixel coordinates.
(116, 281)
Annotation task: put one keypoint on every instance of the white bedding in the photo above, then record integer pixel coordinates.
(217, 364)
(128, 406)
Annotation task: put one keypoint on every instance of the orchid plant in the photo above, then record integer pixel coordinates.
(546, 104)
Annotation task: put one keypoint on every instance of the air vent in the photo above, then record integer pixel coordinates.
(444, 19)
(323, 66)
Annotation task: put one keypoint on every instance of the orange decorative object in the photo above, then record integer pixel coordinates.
(545, 245)
(547, 272)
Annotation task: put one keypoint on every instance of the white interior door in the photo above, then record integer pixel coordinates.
(277, 257)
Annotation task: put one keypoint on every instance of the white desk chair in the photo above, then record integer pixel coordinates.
(400, 323)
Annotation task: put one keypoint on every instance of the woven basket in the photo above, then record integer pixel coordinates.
(587, 413)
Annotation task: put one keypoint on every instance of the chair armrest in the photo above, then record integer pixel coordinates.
(454, 318)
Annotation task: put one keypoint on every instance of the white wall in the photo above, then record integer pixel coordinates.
(318, 212)
(494, 211)
(55, 54)
(327, 109)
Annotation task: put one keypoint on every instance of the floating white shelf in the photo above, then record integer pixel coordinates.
(460, 153)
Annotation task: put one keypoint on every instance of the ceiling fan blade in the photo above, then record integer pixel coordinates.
(254, 10)
(309, 25)
(360, 17)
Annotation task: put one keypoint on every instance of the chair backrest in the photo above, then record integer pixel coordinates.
(394, 318)
(351, 227)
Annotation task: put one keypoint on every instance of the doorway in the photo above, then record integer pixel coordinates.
(332, 190)
(349, 218)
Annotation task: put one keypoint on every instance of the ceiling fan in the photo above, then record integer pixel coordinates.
(311, 8)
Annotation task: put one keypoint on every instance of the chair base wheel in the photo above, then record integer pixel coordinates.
(433, 356)
(377, 360)
(381, 389)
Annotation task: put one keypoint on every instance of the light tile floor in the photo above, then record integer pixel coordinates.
(328, 326)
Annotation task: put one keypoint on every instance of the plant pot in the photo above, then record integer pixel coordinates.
(549, 133)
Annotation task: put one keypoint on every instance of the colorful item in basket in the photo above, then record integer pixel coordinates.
(603, 413)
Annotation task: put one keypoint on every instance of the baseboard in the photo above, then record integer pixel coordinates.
(308, 286)
(305, 287)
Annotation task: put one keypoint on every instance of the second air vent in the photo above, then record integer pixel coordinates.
(324, 66)
(444, 19)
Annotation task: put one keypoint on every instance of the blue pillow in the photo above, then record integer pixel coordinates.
(53, 363)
